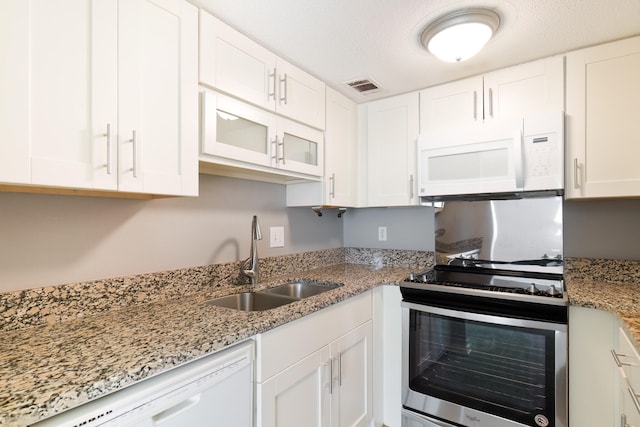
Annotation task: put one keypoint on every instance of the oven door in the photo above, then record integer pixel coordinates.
(483, 370)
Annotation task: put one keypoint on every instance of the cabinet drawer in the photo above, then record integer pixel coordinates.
(287, 344)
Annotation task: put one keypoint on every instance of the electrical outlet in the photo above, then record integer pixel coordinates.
(382, 233)
(276, 237)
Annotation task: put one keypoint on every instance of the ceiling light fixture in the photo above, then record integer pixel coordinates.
(459, 35)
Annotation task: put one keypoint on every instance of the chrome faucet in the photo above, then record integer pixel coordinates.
(250, 265)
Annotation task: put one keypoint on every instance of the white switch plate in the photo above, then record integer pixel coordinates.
(277, 237)
(382, 233)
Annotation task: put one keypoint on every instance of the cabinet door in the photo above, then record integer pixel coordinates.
(341, 151)
(298, 396)
(452, 104)
(236, 130)
(59, 93)
(592, 373)
(392, 132)
(603, 106)
(629, 379)
(300, 148)
(158, 98)
(528, 88)
(235, 64)
(352, 391)
(301, 96)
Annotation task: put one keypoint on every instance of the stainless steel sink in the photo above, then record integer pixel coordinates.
(274, 297)
(251, 301)
(301, 290)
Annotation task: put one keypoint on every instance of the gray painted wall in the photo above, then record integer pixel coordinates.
(407, 228)
(602, 229)
(48, 240)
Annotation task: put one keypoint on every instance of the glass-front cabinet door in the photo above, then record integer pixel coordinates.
(236, 130)
(299, 148)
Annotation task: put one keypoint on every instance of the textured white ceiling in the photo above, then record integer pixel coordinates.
(340, 40)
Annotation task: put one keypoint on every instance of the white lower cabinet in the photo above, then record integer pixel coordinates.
(592, 373)
(317, 371)
(628, 362)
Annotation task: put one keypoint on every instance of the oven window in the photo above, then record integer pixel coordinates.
(503, 370)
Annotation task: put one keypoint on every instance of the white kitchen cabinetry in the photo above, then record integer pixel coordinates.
(392, 133)
(157, 97)
(339, 186)
(243, 136)
(387, 355)
(100, 95)
(627, 360)
(603, 107)
(511, 92)
(317, 371)
(592, 373)
(232, 63)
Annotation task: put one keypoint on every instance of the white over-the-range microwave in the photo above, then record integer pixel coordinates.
(501, 156)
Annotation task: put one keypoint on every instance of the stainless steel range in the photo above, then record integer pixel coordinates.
(485, 331)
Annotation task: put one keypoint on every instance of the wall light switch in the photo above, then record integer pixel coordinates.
(277, 237)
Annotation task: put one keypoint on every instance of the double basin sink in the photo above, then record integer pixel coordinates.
(272, 297)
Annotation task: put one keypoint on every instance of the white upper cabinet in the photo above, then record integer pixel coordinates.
(244, 137)
(603, 108)
(452, 104)
(301, 96)
(232, 63)
(59, 86)
(158, 97)
(533, 87)
(235, 64)
(392, 133)
(84, 77)
(512, 92)
(339, 186)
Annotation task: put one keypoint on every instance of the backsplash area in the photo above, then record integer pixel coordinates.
(32, 307)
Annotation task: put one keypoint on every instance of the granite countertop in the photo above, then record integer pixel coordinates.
(609, 286)
(47, 369)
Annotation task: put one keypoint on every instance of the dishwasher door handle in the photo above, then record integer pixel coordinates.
(179, 408)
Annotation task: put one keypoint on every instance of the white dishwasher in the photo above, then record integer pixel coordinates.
(216, 390)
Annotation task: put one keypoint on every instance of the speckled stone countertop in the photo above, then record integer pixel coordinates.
(611, 285)
(49, 368)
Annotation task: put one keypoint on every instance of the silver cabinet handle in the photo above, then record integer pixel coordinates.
(411, 193)
(134, 145)
(281, 144)
(475, 105)
(490, 102)
(108, 135)
(283, 92)
(616, 358)
(576, 185)
(331, 375)
(271, 94)
(340, 369)
(332, 186)
(274, 150)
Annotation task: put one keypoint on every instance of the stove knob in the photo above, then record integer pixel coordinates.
(532, 289)
(553, 291)
(412, 277)
(424, 278)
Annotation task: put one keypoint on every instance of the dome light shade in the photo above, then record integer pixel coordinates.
(460, 35)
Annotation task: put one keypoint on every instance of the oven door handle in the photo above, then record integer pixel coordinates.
(486, 318)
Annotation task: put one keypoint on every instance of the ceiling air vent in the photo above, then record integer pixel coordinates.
(364, 86)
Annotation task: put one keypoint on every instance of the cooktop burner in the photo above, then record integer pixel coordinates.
(549, 287)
